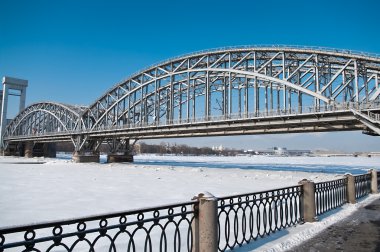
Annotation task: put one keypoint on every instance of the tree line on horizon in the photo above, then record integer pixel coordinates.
(162, 149)
(182, 149)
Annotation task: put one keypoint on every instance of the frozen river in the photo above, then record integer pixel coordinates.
(332, 165)
(336, 165)
(44, 189)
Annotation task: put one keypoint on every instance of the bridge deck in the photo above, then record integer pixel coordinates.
(288, 123)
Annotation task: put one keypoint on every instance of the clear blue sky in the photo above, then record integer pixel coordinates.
(73, 51)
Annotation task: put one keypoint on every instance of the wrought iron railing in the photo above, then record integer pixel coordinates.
(373, 116)
(164, 228)
(243, 218)
(362, 185)
(330, 195)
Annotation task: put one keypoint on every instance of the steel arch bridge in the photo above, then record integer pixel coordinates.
(228, 91)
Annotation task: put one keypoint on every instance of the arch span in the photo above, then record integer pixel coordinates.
(44, 118)
(243, 81)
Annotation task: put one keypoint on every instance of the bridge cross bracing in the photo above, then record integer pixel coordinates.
(228, 91)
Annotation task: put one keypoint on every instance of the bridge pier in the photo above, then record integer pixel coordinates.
(119, 158)
(120, 151)
(86, 157)
(28, 149)
(86, 150)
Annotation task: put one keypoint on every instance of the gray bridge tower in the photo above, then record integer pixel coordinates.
(10, 84)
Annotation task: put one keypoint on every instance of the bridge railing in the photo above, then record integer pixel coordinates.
(247, 217)
(165, 228)
(330, 195)
(362, 185)
(374, 116)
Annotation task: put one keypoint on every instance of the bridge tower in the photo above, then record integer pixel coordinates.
(16, 85)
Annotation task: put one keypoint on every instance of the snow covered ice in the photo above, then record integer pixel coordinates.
(52, 189)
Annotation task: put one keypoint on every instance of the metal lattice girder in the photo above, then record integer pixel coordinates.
(238, 80)
(46, 117)
(245, 90)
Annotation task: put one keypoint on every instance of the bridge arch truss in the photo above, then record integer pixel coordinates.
(239, 82)
(46, 118)
(231, 91)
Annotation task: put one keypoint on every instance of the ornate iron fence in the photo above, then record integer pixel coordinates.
(362, 185)
(164, 228)
(246, 217)
(330, 195)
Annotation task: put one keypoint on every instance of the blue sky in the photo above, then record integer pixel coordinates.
(73, 51)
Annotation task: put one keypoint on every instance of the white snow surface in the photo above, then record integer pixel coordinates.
(31, 192)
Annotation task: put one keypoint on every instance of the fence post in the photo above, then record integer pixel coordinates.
(351, 193)
(308, 200)
(205, 226)
(373, 181)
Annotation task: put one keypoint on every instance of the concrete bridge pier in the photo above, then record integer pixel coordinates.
(120, 151)
(86, 150)
(119, 157)
(86, 156)
(28, 149)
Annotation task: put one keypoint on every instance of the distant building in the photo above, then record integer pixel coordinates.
(279, 151)
(373, 154)
(217, 148)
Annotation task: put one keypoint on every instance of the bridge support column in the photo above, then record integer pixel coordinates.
(86, 157)
(86, 150)
(120, 151)
(119, 158)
